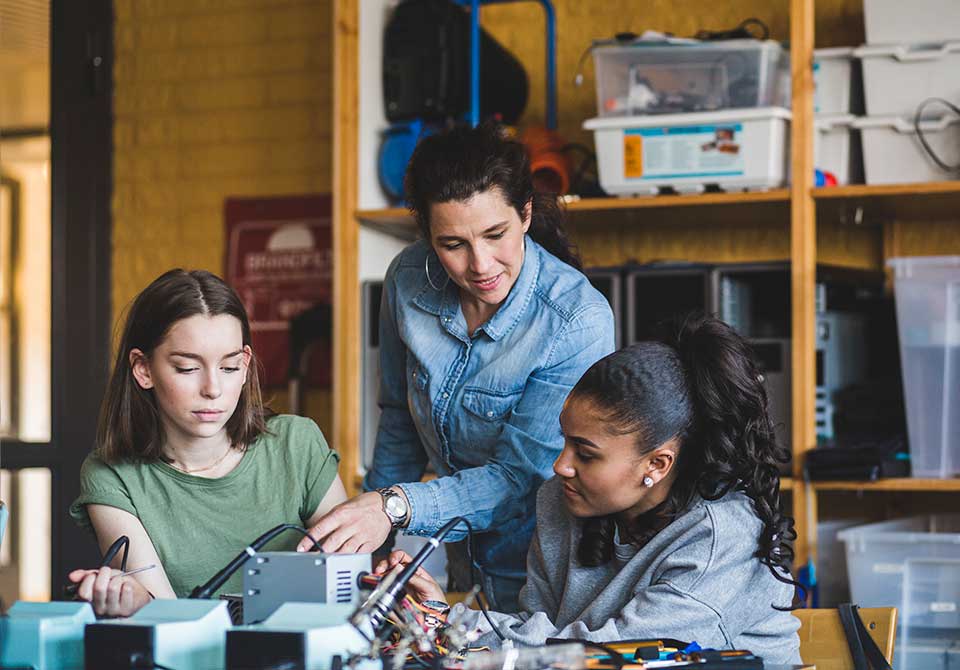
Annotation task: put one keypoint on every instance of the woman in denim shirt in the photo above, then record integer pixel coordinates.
(486, 325)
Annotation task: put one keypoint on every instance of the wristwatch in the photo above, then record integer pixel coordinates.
(395, 507)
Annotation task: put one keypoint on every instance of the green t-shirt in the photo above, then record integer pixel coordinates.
(198, 525)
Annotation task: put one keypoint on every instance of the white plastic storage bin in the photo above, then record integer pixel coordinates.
(646, 77)
(897, 78)
(833, 148)
(744, 149)
(877, 554)
(836, 89)
(891, 21)
(893, 153)
(927, 296)
(930, 619)
(832, 580)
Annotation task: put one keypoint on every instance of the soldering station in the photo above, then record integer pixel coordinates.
(307, 610)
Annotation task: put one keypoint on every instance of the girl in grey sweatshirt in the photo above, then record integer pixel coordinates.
(664, 519)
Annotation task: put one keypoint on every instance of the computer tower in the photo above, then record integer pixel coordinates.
(371, 293)
(841, 361)
(658, 292)
(755, 299)
(774, 358)
(609, 281)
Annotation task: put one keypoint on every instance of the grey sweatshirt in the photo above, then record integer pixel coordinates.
(697, 579)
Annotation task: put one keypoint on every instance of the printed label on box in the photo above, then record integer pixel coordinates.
(683, 151)
(632, 156)
(943, 607)
(888, 568)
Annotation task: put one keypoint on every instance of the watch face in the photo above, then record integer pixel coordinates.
(396, 507)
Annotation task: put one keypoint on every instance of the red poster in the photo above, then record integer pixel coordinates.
(279, 259)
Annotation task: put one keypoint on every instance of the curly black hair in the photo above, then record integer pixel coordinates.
(695, 381)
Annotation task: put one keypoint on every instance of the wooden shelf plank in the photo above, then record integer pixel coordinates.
(893, 484)
(401, 216)
(887, 190)
(873, 205)
(692, 200)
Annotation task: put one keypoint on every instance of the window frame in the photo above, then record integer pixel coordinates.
(81, 155)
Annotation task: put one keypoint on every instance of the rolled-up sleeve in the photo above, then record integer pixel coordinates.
(529, 442)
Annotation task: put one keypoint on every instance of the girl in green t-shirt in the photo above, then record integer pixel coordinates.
(189, 464)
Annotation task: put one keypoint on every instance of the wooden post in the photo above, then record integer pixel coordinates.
(803, 253)
(346, 285)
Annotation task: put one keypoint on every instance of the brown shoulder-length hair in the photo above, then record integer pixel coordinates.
(129, 427)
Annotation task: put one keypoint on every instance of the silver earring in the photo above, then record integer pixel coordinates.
(426, 270)
(648, 481)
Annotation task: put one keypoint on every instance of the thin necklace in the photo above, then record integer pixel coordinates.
(204, 468)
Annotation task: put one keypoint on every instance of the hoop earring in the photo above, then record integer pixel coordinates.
(426, 270)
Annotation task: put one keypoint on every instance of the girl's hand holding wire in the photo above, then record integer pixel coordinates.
(421, 586)
(110, 591)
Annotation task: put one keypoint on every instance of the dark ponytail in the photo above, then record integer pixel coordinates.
(455, 165)
(695, 381)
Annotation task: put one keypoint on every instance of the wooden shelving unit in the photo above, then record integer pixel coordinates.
(853, 226)
(896, 484)
(862, 204)
(580, 210)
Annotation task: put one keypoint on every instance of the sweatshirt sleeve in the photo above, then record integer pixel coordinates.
(693, 597)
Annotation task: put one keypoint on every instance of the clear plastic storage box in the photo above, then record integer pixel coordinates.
(647, 77)
(877, 554)
(927, 295)
(930, 619)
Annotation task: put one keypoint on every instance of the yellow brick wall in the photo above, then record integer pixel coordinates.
(212, 99)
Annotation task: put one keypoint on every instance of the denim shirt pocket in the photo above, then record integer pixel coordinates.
(486, 412)
(418, 394)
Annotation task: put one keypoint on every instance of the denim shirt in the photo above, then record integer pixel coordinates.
(484, 410)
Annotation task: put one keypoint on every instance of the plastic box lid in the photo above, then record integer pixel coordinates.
(908, 53)
(693, 118)
(932, 528)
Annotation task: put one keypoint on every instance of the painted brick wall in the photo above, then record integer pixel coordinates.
(213, 98)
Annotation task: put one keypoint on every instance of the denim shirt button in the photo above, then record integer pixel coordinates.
(445, 395)
(490, 413)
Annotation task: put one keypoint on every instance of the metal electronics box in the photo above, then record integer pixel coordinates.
(609, 281)
(299, 635)
(662, 291)
(273, 578)
(171, 633)
(44, 636)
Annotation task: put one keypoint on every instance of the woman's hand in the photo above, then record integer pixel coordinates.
(111, 594)
(421, 586)
(358, 525)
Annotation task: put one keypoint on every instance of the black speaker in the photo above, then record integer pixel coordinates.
(426, 66)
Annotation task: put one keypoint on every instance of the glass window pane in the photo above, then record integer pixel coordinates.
(25, 220)
(25, 552)
(25, 322)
